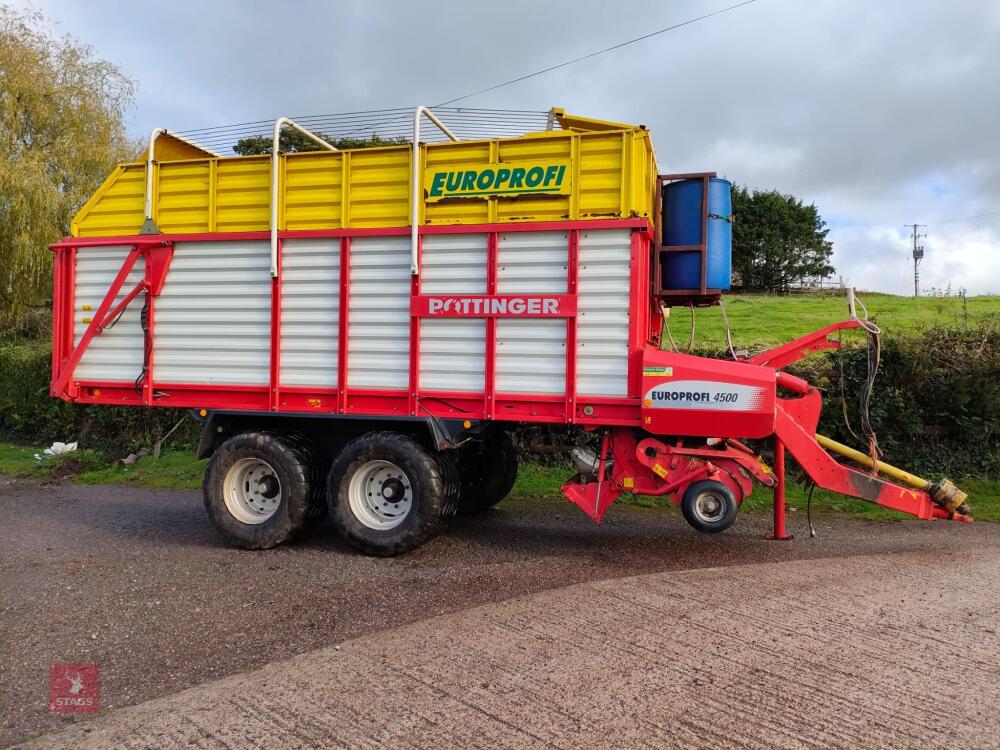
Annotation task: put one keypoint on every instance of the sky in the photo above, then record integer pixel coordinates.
(881, 113)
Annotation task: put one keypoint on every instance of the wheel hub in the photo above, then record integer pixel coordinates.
(252, 491)
(393, 490)
(268, 487)
(709, 506)
(380, 495)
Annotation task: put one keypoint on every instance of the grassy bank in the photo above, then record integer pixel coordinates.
(179, 470)
(173, 470)
(759, 320)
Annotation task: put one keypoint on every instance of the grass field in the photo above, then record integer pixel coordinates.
(759, 320)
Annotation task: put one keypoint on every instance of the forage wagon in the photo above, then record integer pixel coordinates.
(360, 328)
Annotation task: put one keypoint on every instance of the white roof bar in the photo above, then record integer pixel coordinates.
(280, 123)
(148, 227)
(415, 194)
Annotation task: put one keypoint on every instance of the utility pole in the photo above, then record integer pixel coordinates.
(918, 255)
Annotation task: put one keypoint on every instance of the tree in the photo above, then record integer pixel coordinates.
(62, 131)
(291, 141)
(777, 239)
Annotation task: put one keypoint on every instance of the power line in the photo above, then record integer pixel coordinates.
(594, 54)
(588, 56)
(873, 225)
(357, 121)
(964, 218)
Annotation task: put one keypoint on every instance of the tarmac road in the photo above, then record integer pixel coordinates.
(881, 632)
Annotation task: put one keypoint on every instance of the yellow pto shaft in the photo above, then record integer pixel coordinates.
(865, 460)
(944, 493)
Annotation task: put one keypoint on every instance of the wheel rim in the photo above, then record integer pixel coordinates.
(380, 494)
(252, 491)
(710, 507)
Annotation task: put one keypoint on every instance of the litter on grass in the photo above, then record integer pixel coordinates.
(56, 449)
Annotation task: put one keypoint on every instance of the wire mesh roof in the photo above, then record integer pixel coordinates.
(391, 124)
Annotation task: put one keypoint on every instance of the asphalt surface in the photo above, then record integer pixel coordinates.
(135, 580)
(872, 651)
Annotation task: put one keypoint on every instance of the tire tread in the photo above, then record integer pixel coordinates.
(295, 459)
(431, 504)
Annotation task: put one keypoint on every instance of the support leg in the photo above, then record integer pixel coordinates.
(779, 493)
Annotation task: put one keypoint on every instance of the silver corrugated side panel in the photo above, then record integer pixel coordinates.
(310, 312)
(378, 342)
(116, 354)
(532, 262)
(213, 319)
(603, 312)
(531, 352)
(453, 351)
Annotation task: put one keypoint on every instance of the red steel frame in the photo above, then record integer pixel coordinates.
(649, 465)
(156, 254)
(342, 399)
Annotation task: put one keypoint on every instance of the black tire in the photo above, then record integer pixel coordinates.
(709, 506)
(488, 474)
(452, 482)
(317, 465)
(419, 478)
(298, 496)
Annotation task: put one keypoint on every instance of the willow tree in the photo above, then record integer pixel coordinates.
(62, 131)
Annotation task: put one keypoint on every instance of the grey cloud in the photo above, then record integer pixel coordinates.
(858, 106)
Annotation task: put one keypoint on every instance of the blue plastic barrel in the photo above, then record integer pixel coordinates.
(682, 226)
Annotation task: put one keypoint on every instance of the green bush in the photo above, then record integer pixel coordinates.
(936, 402)
(28, 414)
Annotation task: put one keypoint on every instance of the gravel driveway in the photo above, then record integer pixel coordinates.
(135, 580)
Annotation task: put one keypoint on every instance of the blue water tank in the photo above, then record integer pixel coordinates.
(682, 219)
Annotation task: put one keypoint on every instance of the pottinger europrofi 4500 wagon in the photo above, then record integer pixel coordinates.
(359, 329)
